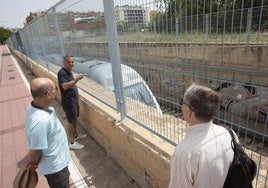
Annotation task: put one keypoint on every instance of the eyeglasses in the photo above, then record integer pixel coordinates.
(53, 89)
(191, 108)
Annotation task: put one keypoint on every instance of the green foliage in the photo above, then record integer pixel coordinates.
(224, 15)
(123, 26)
(4, 34)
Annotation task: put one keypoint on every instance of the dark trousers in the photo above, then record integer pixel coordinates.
(59, 179)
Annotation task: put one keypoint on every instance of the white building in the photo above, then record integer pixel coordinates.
(132, 14)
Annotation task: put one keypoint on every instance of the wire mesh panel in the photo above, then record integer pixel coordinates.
(75, 28)
(221, 44)
(165, 45)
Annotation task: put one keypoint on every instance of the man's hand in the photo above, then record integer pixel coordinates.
(79, 77)
(67, 85)
(33, 159)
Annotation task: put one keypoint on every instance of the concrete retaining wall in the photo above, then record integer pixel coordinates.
(205, 63)
(233, 62)
(144, 156)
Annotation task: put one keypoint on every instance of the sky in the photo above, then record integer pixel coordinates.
(14, 12)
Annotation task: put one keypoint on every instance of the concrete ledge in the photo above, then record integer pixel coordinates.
(144, 156)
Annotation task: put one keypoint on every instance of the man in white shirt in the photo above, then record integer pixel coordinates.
(203, 158)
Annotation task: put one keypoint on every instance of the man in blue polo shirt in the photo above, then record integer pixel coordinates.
(47, 139)
(69, 100)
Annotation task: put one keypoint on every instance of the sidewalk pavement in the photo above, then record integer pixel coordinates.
(14, 100)
(90, 167)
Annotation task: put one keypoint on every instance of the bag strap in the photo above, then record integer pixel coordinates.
(236, 146)
(233, 142)
(231, 133)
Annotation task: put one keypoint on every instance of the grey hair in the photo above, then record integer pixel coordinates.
(203, 100)
(67, 56)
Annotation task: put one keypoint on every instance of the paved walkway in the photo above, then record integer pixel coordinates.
(14, 100)
(90, 167)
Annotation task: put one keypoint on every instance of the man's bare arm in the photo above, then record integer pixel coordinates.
(67, 85)
(33, 158)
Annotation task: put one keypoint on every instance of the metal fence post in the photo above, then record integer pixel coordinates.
(115, 56)
(137, 31)
(154, 29)
(177, 28)
(207, 25)
(57, 30)
(42, 44)
(29, 44)
(177, 34)
(33, 41)
(249, 19)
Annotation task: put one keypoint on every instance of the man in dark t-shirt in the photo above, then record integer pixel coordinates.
(69, 100)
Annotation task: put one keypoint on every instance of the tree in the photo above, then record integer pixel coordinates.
(194, 7)
(220, 11)
(4, 34)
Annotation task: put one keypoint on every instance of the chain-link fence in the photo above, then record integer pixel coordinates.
(149, 51)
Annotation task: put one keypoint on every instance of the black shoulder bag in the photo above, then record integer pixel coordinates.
(242, 170)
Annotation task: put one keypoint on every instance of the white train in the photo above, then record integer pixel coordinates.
(101, 71)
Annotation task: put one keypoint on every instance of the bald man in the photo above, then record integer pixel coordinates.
(46, 137)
